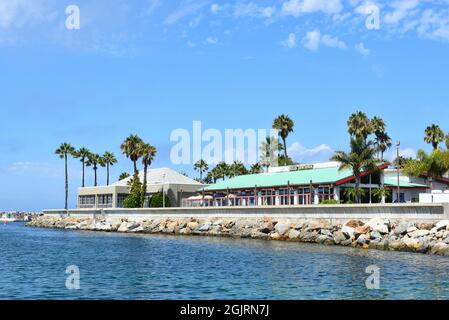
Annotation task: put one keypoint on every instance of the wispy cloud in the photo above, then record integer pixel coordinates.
(303, 154)
(186, 9)
(297, 7)
(252, 9)
(28, 168)
(314, 39)
(290, 42)
(360, 47)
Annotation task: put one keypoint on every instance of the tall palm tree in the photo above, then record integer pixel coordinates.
(108, 160)
(268, 150)
(94, 161)
(378, 124)
(434, 135)
(64, 151)
(148, 153)
(201, 166)
(359, 159)
(131, 148)
(285, 126)
(383, 142)
(359, 125)
(237, 169)
(83, 155)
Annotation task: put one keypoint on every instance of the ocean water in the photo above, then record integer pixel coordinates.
(33, 265)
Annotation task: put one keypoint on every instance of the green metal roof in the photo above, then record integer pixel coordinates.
(393, 182)
(301, 177)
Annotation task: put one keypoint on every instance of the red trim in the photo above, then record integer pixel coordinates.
(346, 180)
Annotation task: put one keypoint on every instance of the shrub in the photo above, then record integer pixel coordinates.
(133, 200)
(156, 201)
(330, 201)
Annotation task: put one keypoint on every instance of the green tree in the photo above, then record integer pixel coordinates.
(285, 126)
(359, 125)
(433, 135)
(64, 151)
(221, 171)
(433, 165)
(123, 176)
(359, 159)
(237, 168)
(131, 148)
(148, 153)
(354, 194)
(210, 177)
(447, 141)
(108, 160)
(134, 198)
(201, 166)
(381, 193)
(94, 161)
(256, 168)
(83, 155)
(383, 143)
(158, 199)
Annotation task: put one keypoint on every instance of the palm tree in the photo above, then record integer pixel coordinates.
(381, 193)
(378, 124)
(108, 160)
(222, 170)
(268, 150)
(148, 153)
(211, 177)
(237, 169)
(359, 125)
(123, 176)
(82, 154)
(201, 166)
(64, 151)
(94, 161)
(256, 168)
(285, 126)
(360, 159)
(131, 148)
(383, 142)
(434, 135)
(434, 165)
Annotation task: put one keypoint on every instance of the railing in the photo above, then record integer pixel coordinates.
(249, 201)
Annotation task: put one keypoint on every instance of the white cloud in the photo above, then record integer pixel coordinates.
(17, 13)
(313, 40)
(360, 47)
(152, 6)
(298, 7)
(212, 40)
(302, 154)
(191, 44)
(290, 42)
(215, 8)
(251, 9)
(402, 8)
(434, 25)
(405, 152)
(189, 8)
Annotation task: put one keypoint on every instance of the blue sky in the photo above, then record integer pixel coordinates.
(149, 67)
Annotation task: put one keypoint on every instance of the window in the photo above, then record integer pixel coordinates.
(120, 199)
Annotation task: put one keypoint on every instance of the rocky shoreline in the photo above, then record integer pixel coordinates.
(380, 234)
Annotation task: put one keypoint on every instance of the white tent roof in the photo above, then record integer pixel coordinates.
(161, 176)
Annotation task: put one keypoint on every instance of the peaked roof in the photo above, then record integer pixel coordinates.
(161, 175)
(301, 177)
(392, 182)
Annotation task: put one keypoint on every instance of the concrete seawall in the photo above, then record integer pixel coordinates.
(332, 213)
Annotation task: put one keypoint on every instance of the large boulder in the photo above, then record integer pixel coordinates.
(282, 228)
(348, 231)
(418, 233)
(440, 248)
(442, 225)
(402, 227)
(123, 227)
(362, 230)
(380, 225)
(293, 234)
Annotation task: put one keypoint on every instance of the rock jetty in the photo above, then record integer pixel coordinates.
(381, 234)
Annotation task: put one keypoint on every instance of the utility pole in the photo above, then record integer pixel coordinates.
(398, 144)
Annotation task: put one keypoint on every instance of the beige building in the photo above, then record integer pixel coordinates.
(175, 186)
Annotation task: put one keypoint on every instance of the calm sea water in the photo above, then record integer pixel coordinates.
(116, 266)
